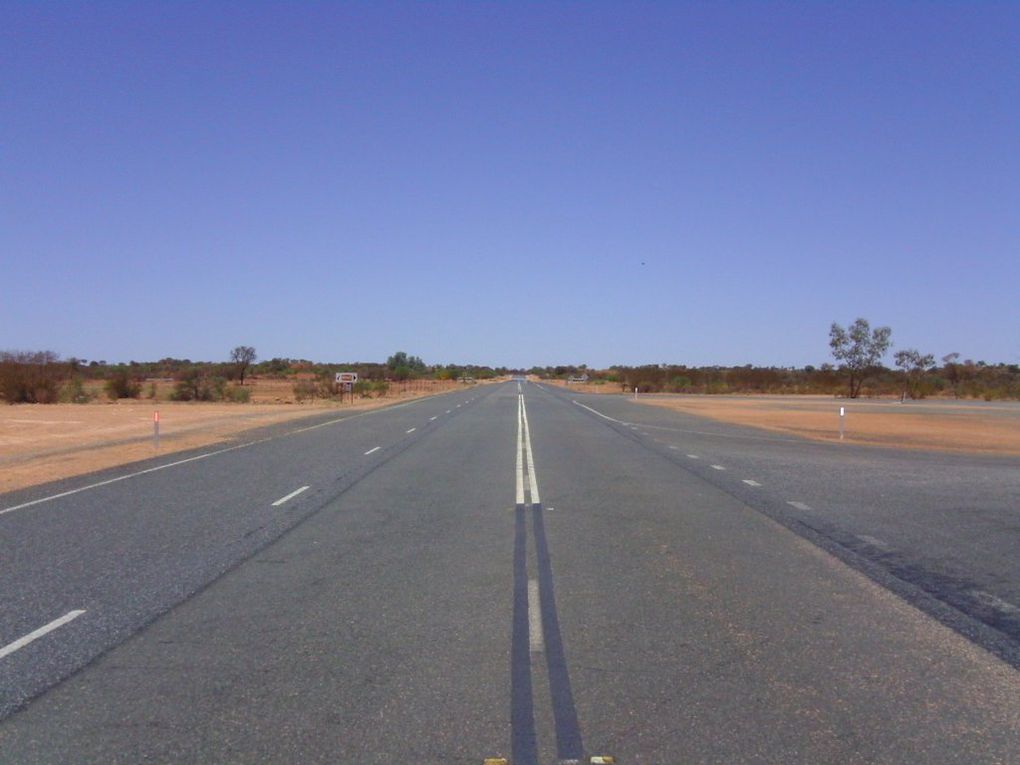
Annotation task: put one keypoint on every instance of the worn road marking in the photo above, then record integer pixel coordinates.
(874, 542)
(717, 467)
(410, 430)
(432, 419)
(751, 482)
(447, 411)
(290, 496)
(373, 449)
(36, 634)
(535, 639)
(694, 456)
(673, 447)
(799, 505)
(986, 598)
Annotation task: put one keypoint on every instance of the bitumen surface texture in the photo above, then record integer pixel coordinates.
(516, 572)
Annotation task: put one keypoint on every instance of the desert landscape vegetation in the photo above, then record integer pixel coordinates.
(72, 416)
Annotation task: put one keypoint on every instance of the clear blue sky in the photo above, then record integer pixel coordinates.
(512, 183)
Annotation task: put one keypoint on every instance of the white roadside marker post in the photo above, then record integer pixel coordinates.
(842, 421)
(155, 429)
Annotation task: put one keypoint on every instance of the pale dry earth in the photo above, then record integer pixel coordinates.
(945, 425)
(47, 442)
(970, 427)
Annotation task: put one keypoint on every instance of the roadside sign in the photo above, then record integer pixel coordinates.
(346, 377)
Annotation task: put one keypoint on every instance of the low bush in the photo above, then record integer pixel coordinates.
(305, 389)
(74, 392)
(237, 395)
(121, 385)
(30, 378)
(194, 385)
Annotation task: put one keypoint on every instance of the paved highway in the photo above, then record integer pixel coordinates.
(515, 572)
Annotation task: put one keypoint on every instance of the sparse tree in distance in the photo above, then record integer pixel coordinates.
(858, 348)
(952, 371)
(243, 356)
(915, 367)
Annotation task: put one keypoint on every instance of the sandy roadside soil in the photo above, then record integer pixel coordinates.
(971, 427)
(41, 443)
(975, 427)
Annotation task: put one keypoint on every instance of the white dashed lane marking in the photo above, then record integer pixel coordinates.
(290, 496)
(373, 449)
(751, 482)
(36, 634)
(799, 505)
(717, 467)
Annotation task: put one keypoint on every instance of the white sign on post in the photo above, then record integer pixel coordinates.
(346, 377)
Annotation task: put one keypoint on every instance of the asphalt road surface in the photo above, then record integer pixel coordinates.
(514, 571)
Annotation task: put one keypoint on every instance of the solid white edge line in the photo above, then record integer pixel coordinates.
(107, 482)
(373, 450)
(290, 496)
(596, 411)
(535, 639)
(36, 634)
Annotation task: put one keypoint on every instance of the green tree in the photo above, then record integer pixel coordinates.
(859, 348)
(915, 367)
(403, 366)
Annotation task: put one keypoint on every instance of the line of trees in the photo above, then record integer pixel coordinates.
(42, 377)
(966, 379)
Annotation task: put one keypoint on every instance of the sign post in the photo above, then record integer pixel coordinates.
(346, 380)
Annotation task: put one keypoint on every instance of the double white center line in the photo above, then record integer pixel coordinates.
(524, 452)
